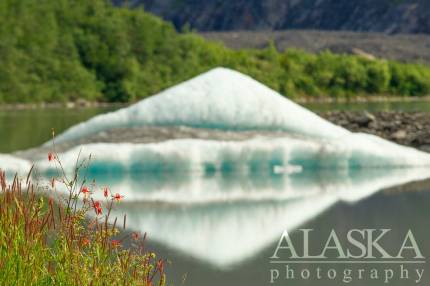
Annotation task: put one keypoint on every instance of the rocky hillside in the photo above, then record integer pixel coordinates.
(389, 16)
(401, 47)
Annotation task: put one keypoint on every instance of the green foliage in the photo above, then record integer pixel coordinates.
(63, 50)
(409, 80)
(69, 239)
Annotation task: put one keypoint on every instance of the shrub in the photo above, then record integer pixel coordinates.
(68, 239)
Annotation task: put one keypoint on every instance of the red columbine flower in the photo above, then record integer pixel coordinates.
(115, 243)
(85, 190)
(85, 241)
(117, 197)
(51, 156)
(98, 208)
(105, 192)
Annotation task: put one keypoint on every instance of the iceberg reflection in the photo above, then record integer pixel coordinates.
(225, 220)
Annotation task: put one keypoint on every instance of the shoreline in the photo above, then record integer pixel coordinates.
(410, 129)
(67, 105)
(362, 99)
(302, 100)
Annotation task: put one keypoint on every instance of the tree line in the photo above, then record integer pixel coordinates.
(65, 50)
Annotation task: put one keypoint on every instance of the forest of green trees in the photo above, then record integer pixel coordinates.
(64, 50)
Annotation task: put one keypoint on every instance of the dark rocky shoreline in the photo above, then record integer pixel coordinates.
(406, 128)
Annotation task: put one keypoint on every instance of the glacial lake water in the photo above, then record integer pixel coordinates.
(399, 211)
(218, 242)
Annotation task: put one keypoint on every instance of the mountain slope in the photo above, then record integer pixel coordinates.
(412, 48)
(390, 16)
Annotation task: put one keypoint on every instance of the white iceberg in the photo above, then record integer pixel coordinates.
(354, 151)
(229, 100)
(220, 98)
(12, 165)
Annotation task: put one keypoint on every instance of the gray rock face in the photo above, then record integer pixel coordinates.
(390, 16)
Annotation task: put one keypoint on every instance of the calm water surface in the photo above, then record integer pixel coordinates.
(412, 106)
(397, 211)
(21, 129)
(230, 243)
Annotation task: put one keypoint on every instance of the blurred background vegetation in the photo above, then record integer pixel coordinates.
(65, 50)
